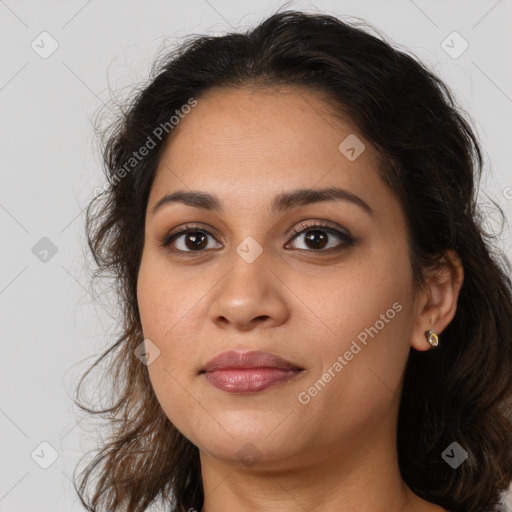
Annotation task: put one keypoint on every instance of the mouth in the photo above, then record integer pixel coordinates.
(248, 380)
(248, 372)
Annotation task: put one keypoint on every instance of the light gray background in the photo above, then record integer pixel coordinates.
(52, 326)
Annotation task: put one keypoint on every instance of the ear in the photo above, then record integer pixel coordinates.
(436, 302)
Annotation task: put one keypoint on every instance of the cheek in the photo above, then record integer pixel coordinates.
(160, 311)
(161, 297)
(151, 303)
(158, 314)
(361, 295)
(170, 305)
(365, 316)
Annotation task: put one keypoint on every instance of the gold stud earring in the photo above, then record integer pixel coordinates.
(432, 338)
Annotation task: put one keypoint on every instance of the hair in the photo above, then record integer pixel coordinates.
(431, 159)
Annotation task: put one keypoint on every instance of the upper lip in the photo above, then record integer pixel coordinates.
(251, 359)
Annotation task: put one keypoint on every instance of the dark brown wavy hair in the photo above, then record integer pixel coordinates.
(430, 158)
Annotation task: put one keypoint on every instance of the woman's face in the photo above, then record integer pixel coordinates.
(335, 300)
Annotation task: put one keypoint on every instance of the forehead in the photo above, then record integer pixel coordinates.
(249, 137)
(248, 145)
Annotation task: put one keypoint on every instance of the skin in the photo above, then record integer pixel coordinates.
(337, 452)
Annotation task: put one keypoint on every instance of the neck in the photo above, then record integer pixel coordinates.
(362, 475)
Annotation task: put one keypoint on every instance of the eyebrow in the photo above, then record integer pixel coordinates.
(281, 203)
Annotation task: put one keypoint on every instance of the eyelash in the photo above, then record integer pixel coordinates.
(347, 240)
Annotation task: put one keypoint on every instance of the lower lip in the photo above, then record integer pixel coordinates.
(249, 380)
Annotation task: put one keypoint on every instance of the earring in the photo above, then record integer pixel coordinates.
(432, 337)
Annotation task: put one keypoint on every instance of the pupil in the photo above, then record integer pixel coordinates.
(314, 236)
(198, 240)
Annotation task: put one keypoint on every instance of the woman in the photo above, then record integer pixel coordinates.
(314, 317)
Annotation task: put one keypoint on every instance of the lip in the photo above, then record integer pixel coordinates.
(234, 359)
(247, 372)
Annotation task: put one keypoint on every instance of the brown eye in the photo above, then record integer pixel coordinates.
(318, 237)
(187, 239)
(195, 240)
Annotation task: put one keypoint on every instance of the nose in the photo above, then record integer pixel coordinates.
(251, 294)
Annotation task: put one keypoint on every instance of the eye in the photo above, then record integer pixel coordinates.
(318, 237)
(188, 239)
(192, 239)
